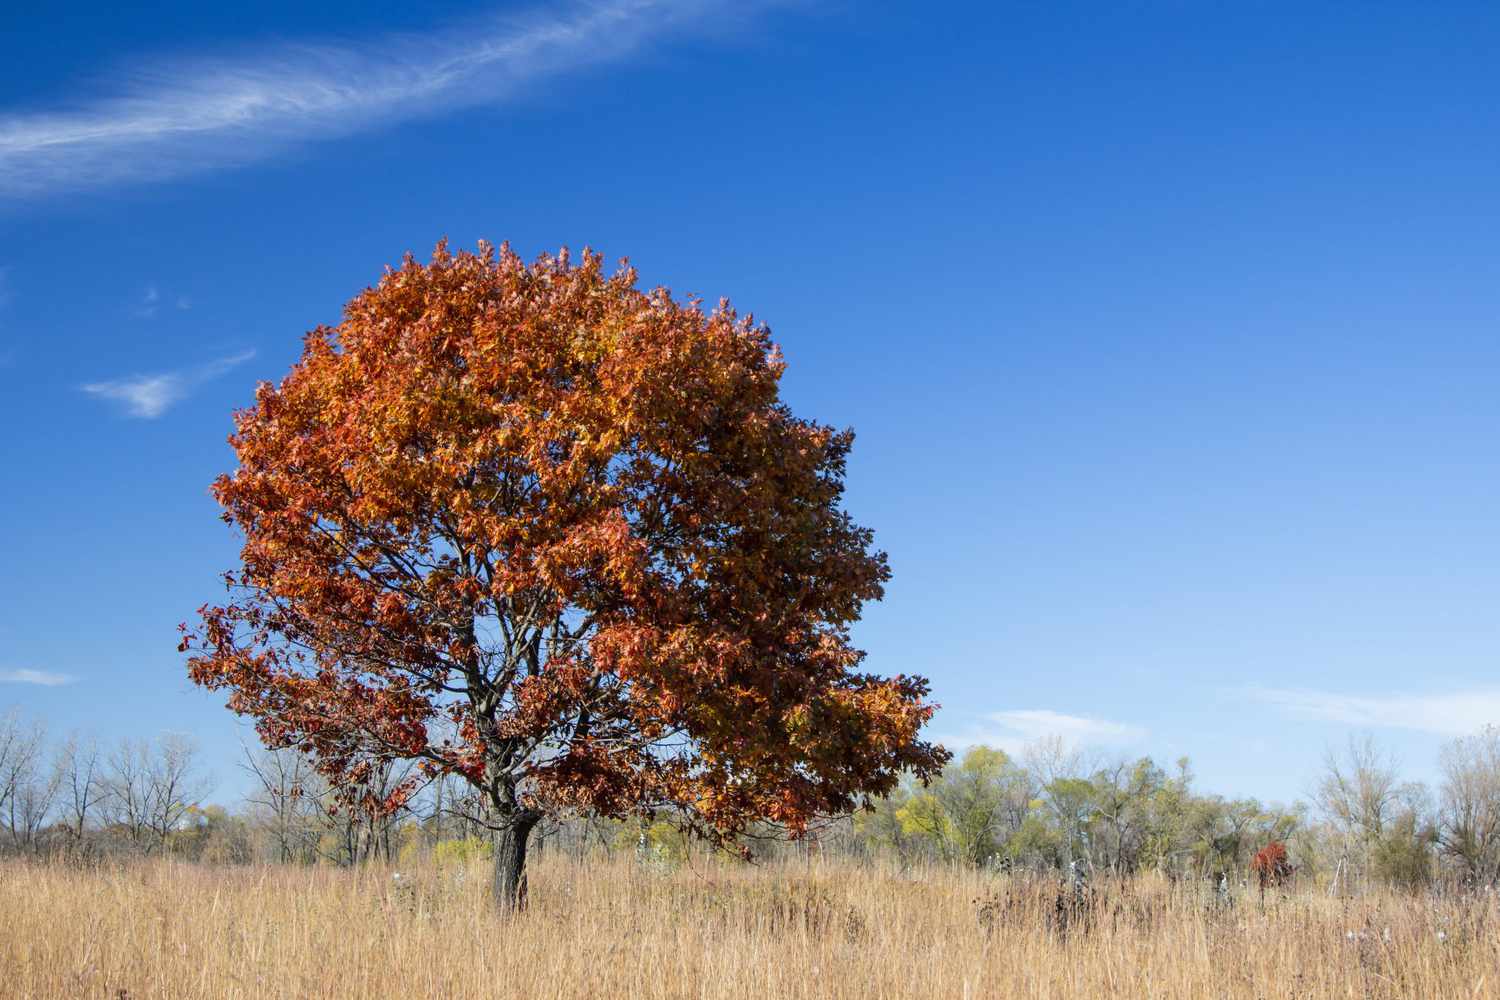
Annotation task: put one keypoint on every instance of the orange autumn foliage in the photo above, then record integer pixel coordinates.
(531, 525)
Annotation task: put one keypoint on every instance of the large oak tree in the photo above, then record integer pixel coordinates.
(534, 526)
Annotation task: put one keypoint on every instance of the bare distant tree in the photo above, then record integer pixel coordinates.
(353, 824)
(1380, 825)
(27, 786)
(82, 784)
(374, 824)
(32, 803)
(1360, 791)
(286, 790)
(441, 798)
(175, 786)
(13, 753)
(152, 787)
(1052, 758)
(1469, 809)
(443, 805)
(125, 785)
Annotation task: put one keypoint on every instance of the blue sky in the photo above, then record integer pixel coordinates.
(1168, 330)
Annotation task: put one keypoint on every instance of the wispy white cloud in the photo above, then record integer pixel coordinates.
(1016, 729)
(149, 396)
(150, 302)
(45, 678)
(1456, 713)
(181, 115)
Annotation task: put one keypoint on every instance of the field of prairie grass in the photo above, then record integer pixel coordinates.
(614, 929)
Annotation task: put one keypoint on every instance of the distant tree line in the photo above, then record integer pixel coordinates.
(1049, 808)
(77, 795)
(1057, 808)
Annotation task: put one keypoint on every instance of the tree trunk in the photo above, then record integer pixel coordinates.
(509, 880)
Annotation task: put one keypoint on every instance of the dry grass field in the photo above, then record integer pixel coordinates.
(614, 930)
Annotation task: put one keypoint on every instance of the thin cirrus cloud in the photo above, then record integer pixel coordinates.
(43, 678)
(188, 114)
(1016, 729)
(1456, 713)
(149, 396)
(150, 303)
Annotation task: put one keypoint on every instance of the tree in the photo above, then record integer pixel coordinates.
(1066, 798)
(575, 521)
(1122, 793)
(986, 798)
(27, 787)
(974, 809)
(1402, 856)
(174, 788)
(211, 834)
(1226, 833)
(152, 788)
(883, 825)
(1361, 791)
(1073, 803)
(1469, 818)
(283, 796)
(127, 792)
(78, 763)
(1376, 814)
(923, 821)
(1168, 812)
(1271, 867)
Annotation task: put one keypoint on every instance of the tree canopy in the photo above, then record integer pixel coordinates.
(528, 524)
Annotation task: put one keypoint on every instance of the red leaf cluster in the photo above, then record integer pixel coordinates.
(1271, 866)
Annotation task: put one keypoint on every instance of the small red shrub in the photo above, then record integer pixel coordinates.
(1271, 866)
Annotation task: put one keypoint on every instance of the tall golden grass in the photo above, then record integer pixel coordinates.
(715, 930)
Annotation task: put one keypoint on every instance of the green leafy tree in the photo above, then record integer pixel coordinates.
(1073, 803)
(1403, 853)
